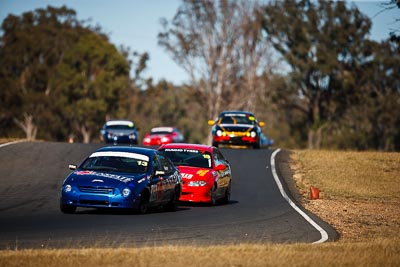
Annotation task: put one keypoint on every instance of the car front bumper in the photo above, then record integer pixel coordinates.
(99, 201)
(236, 140)
(195, 194)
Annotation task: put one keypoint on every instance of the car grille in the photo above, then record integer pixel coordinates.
(96, 189)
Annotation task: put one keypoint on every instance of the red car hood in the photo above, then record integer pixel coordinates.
(194, 173)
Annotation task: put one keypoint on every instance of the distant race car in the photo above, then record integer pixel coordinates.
(119, 132)
(236, 128)
(206, 174)
(122, 177)
(162, 135)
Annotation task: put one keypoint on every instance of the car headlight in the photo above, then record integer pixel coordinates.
(132, 136)
(67, 188)
(197, 183)
(165, 139)
(126, 192)
(253, 134)
(219, 133)
(109, 135)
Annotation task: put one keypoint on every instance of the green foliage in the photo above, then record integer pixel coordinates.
(50, 64)
(90, 81)
(323, 42)
(61, 79)
(164, 104)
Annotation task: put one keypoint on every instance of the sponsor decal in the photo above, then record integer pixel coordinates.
(183, 150)
(106, 175)
(120, 154)
(202, 172)
(187, 175)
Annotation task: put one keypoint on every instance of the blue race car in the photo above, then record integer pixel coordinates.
(119, 132)
(122, 177)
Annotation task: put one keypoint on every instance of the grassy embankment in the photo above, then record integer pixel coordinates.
(360, 197)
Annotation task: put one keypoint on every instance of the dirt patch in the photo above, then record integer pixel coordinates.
(358, 220)
(355, 219)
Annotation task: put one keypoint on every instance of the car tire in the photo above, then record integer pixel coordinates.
(215, 144)
(213, 195)
(143, 206)
(256, 146)
(173, 203)
(227, 196)
(68, 209)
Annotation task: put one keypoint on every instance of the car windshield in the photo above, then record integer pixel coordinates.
(120, 127)
(188, 157)
(160, 133)
(115, 164)
(237, 119)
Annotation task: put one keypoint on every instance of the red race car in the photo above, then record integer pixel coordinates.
(206, 174)
(162, 135)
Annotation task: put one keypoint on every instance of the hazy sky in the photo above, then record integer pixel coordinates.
(136, 24)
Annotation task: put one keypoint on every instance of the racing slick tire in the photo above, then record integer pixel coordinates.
(68, 209)
(227, 196)
(213, 197)
(143, 206)
(173, 204)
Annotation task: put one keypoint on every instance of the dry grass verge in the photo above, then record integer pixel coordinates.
(329, 254)
(360, 191)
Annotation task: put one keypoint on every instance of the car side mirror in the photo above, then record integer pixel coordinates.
(220, 167)
(211, 122)
(72, 167)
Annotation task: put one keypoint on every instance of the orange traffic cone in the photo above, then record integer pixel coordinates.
(314, 193)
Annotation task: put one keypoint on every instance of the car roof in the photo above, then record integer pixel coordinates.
(129, 149)
(162, 129)
(188, 146)
(119, 122)
(235, 112)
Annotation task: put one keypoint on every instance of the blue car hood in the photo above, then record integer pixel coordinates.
(99, 178)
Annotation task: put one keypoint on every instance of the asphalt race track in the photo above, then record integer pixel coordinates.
(31, 174)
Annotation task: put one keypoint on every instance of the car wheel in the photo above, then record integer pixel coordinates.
(215, 144)
(257, 146)
(69, 209)
(213, 195)
(227, 196)
(143, 207)
(173, 203)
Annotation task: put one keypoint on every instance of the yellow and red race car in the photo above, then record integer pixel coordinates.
(237, 128)
(206, 174)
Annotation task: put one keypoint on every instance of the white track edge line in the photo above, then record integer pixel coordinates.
(324, 234)
(11, 143)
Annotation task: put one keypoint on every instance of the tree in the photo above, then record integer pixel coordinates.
(373, 121)
(219, 44)
(30, 48)
(90, 81)
(323, 43)
(58, 74)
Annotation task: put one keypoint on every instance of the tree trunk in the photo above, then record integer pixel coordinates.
(310, 139)
(28, 126)
(315, 138)
(86, 135)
